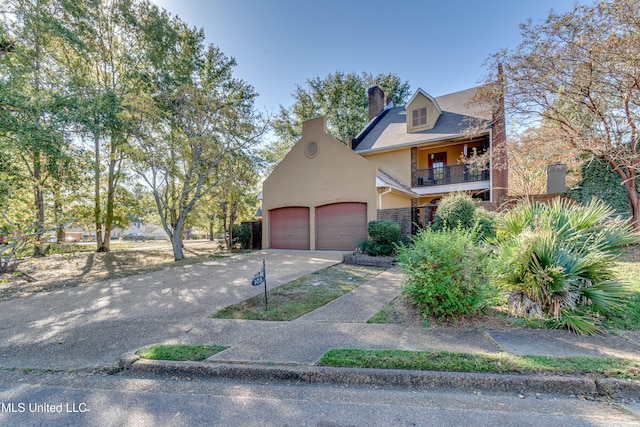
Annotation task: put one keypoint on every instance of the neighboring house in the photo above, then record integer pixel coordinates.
(150, 231)
(322, 194)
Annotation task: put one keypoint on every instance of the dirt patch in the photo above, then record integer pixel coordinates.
(401, 312)
(358, 258)
(59, 271)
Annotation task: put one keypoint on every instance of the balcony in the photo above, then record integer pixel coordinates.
(455, 174)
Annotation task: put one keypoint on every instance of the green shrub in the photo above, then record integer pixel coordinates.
(241, 235)
(384, 231)
(601, 182)
(561, 256)
(455, 210)
(484, 222)
(385, 235)
(446, 273)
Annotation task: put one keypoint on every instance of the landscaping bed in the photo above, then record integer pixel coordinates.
(358, 258)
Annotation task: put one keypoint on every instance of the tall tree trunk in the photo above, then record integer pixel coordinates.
(232, 219)
(211, 225)
(176, 239)
(634, 204)
(57, 208)
(97, 210)
(38, 250)
(629, 181)
(111, 192)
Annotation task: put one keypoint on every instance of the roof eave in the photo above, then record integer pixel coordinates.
(421, 142)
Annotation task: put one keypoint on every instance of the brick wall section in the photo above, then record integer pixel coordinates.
(376, 101)
(500, 165)
(401, 216)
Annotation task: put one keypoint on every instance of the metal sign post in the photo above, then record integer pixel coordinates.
(261, 278)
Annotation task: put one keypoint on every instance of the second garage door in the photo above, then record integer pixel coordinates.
(340, 226)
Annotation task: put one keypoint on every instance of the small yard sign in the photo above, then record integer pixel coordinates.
(260, 278)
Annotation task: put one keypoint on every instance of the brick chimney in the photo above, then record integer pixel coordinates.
(376, 101)
(500, 163)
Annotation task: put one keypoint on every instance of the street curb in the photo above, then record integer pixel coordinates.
(419, 380)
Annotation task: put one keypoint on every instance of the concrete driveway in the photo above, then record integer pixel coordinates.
(93, 325)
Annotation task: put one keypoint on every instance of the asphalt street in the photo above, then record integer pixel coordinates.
(71, 400)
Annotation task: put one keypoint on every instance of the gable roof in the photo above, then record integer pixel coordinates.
(426, 95)
(383, 179)
(459, 118)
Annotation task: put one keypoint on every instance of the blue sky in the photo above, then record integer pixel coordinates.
(439, 46)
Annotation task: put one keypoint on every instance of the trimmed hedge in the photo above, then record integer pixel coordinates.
(385, 235)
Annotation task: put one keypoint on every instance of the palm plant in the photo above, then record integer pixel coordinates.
(561, 257)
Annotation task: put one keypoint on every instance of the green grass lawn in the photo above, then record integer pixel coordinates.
(501, 363)
(628, 271)
(300, 296)
(180, 352)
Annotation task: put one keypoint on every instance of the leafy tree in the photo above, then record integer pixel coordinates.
(237, 196)
(33, 101)
(529, 154)
(197, 121)
(341, 97)
(102, 61)
(577, 73)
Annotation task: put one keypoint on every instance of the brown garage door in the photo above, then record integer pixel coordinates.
(341, 226)
(289, 228)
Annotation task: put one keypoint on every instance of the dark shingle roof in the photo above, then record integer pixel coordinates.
(459, 117)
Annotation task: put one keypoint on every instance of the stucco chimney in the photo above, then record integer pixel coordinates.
(376, 101)
(556, 178)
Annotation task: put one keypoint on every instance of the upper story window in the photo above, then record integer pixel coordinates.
(419, 117)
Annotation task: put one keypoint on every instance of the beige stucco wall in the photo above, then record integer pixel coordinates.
(429, 199)
(396, 163)
(454, 152)
(453, 155)
(335, 174)
(392, 200)
(433, 114)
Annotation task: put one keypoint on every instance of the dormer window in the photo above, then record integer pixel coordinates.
(419, 117)
(422, 112)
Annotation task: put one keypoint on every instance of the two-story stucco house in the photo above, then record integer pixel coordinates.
(323, 193)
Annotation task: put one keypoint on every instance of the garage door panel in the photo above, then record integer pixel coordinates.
(341, 226)
(289, 228)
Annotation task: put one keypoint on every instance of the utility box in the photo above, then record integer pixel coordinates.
(556, 179)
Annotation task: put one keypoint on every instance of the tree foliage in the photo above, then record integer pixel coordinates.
(91, 90)
(577, 74)
(197, 127)
(529, 155)
(34, 104)
(600, 181)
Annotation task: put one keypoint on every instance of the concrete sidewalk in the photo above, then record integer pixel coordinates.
(281, 350)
